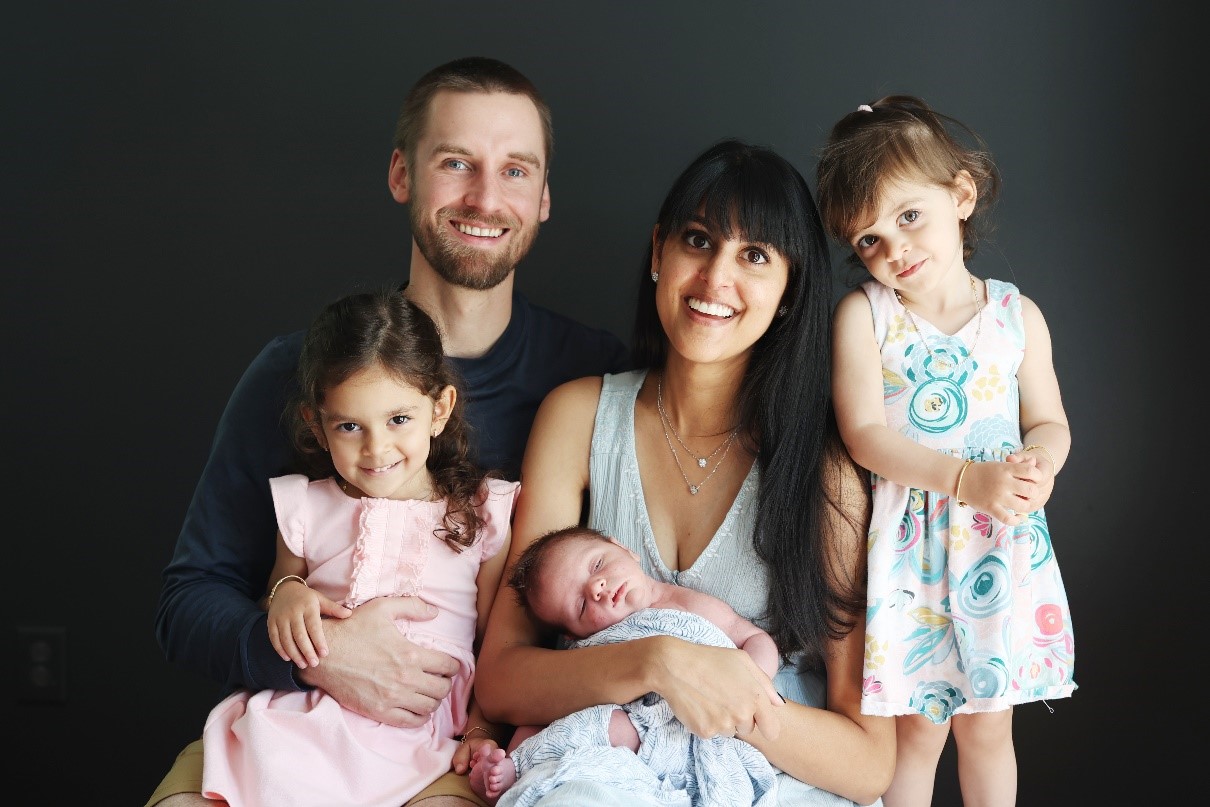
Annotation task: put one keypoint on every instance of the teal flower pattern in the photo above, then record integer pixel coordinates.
(965, 613)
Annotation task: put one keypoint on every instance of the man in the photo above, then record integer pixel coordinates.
(472, 151)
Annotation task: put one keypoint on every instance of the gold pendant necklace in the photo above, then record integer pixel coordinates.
(724, 446)
(942, 363)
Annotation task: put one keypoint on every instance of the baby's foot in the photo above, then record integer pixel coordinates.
(492, 772)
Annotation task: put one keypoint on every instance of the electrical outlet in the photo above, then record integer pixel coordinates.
(42, 665)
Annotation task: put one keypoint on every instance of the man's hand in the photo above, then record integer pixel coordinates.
(372, 669)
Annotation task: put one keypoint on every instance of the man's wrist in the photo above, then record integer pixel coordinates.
(296, 676)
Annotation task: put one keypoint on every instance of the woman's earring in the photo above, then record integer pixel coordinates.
(655, 277)
(782, 311)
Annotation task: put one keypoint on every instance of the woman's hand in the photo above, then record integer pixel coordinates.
(716, 691)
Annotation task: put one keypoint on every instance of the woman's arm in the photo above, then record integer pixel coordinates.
(520, 681)
(838, 748)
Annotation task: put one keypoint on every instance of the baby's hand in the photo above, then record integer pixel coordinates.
(296, 623)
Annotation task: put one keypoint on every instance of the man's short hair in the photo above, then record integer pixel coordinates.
(469, 74)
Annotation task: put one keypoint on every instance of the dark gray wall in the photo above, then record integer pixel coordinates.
(184, 180)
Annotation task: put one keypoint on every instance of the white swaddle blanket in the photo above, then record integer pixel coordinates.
(673, 767)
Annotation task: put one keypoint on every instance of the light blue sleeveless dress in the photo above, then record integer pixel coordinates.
(728, 569)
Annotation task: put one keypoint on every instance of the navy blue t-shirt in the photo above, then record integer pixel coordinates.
(208, 619)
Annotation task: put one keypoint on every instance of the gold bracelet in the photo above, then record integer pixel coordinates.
(1043, 449)
(958, 487)
(464, 737)
(273, 591)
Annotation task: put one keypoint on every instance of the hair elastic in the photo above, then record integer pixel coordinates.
(865, 108)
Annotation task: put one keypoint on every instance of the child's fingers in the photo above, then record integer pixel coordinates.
(332, 608)
(316, 641)
(275, 638)
(304, 655)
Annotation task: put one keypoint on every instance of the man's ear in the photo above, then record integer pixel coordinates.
(965, 194)
(544, 206)
(443, 407)
(398, 179)
(308, 415)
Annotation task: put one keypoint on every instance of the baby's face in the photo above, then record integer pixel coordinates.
(588, 584)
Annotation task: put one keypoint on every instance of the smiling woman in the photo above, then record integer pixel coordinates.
(778, 533)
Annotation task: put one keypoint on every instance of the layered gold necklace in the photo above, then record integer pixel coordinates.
(701, 462)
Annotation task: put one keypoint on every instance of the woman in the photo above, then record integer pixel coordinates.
(720, 467)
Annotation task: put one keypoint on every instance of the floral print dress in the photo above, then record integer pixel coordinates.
(964, 613)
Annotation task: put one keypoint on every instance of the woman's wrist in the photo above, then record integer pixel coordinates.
(655, 665)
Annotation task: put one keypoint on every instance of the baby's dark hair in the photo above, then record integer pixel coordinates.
(525, 577)
(899, 137)
(384, 329)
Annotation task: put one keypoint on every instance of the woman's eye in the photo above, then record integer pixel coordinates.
(755, 256)
(697, 240)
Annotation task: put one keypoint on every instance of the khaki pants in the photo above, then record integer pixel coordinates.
(186, 777)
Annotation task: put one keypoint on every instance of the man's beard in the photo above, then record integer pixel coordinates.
(463, 265)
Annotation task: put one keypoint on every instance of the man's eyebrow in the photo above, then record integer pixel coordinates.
(526, 157)
(520, 156)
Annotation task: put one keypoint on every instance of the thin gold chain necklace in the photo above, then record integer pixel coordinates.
(942, 364)
(724, 447)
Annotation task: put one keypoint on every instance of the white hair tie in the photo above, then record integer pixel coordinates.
(865, 108)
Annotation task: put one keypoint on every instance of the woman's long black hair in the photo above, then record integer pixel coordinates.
(785, 397)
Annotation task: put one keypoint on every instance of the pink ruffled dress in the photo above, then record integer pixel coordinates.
(303, 748)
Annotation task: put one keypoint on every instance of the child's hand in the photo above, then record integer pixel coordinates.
(467, 750)
(296, 623)
(1006, 491)
(1045, 484)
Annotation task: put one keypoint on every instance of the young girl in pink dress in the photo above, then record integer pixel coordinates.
(392, 506)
